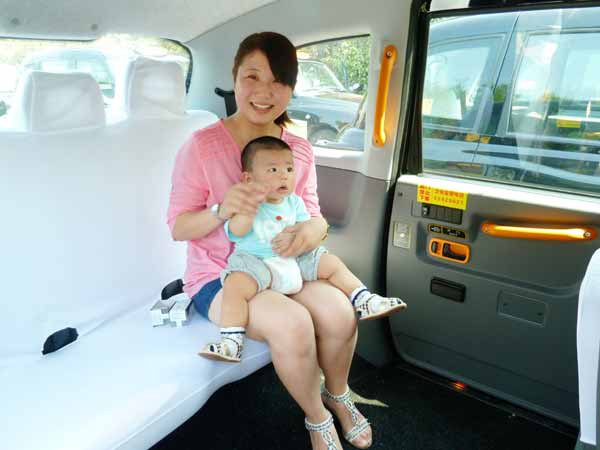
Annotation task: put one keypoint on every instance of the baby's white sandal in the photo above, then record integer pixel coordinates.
(228, 350)
(373, 306)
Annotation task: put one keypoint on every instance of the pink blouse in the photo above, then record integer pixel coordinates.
(206, 167)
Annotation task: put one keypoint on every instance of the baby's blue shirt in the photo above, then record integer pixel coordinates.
(269, 221)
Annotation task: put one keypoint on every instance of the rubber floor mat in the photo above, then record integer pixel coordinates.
(407, 412)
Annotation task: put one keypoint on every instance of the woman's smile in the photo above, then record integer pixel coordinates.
(261, 107)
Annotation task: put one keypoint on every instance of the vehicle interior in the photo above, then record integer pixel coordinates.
(457, 145)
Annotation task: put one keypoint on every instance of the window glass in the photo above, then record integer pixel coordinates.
(454, 75)
(555, 113)
(105, 59)
(516, 100)
(53, 65)
(328, 103)
(560, 103)
(458, 73)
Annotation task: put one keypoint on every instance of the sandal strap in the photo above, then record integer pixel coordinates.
(338, 398)
(365, 309)
(222, 349)
(359, 423)
(356, 430)
(324, 429)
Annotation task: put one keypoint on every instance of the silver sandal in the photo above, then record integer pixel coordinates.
(359, 423)
(376, 307)
(323, 429)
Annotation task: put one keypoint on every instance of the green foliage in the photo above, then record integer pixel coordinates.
(347, 58)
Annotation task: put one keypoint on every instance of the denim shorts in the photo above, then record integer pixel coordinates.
(205, 296)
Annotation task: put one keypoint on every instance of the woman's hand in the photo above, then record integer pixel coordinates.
(283, 240)
(300, 238)
(242, 198)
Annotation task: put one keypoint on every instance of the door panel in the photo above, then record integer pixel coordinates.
(355, 208)
(514, 334)
(500, 314)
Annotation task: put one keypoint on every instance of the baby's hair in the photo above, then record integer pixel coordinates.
(261, 143)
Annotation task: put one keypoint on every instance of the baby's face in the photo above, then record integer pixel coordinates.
(275, 169)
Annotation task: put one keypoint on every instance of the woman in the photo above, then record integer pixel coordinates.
(207, 191)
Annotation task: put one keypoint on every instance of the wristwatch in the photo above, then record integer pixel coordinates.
(326, 233)
(214, 210)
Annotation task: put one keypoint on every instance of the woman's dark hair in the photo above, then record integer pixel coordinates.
(280, 53)
(261, 143)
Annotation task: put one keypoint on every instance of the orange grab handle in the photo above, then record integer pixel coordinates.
(543, 234)
(387, 64)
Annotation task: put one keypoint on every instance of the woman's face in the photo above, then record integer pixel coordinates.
(260, 99)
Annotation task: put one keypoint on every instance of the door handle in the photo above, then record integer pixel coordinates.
(449, 250)
(583, 233)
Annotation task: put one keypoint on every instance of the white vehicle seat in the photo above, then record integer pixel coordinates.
(588, 352)
(46, 102)
(85, 245)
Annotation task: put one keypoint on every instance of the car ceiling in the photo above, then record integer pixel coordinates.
(181, 20)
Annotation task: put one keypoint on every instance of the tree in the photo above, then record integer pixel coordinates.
(347, 58)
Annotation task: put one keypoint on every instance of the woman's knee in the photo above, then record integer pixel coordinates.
(332, 312)
(295, 333)
(343, 323)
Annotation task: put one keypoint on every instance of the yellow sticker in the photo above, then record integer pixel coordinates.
(442, 197)
(568, 123)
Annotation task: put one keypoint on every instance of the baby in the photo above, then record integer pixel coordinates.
(254, 267)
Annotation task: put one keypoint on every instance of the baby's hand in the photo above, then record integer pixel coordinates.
(282, 241)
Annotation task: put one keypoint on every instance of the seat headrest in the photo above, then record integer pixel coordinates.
(154, 89)
(48, 102)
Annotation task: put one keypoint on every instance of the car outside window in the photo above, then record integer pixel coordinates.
(104, 59)
(458, 74)
(454, 77)
(331, 86)
(514, 98)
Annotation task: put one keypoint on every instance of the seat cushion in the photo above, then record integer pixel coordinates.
(125, 385)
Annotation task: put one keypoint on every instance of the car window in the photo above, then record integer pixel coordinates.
(530, 118)
(316, 76)
(562, 102)
(454, 76)
(105, 59)
(458, 74)
(53, 65)
(331, 86)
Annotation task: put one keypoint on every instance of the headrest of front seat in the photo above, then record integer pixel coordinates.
(154, 89)
(48, 102)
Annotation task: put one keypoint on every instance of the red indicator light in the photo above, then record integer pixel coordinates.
(460, 386)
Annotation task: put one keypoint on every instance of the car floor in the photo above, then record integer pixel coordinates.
(408, 409)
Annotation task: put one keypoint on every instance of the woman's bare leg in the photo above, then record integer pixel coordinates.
(286, 326)
(336, 329)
